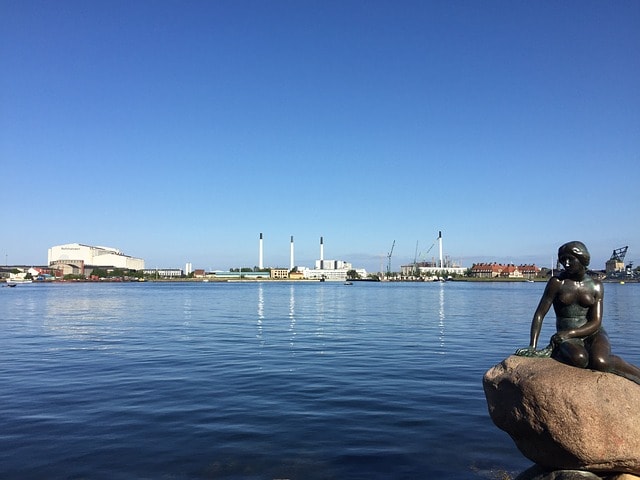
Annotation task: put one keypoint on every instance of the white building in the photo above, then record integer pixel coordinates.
(93, 256)
(430, 269)
(163, 272)
(329, 272)
(330, 269)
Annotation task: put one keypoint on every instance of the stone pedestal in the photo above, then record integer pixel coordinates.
(566, 418)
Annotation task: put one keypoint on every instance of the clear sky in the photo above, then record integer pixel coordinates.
(178, 131)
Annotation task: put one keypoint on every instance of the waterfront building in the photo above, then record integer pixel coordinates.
(510, 271)
(68, 267)
(431, 269)
(614, 265)
(92, 256)
(296, 274)
(330, 269)
(498, 270)
(261, 274)
(279, 273)
(325, 274)
(333, 270)
(529, 270)
(163, 272)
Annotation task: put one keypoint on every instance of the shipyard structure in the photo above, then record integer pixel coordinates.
(79, 259)
(442, 268)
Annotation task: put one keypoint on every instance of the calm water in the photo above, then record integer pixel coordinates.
(264, 380)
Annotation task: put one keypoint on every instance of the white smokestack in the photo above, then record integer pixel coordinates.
(440, 242)
(321, 253)
(291, 264)
(260, 255)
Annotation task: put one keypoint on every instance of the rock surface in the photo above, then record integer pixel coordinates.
(563, 417)
(539, 473)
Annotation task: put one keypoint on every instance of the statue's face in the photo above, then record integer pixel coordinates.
(571, 263)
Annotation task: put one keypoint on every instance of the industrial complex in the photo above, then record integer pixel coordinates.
(80, 261)
(324, 269)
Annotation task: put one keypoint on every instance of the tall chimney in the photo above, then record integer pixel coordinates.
(321, 253)
(260, 255)
(291, 264)
(440, 243)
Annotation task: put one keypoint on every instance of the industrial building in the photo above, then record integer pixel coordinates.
(330, 269)
(82, 257)
(163, 272)
(432, 269)
(615, 264)
(324, 269)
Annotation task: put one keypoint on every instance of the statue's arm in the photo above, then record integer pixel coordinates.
(550, 291)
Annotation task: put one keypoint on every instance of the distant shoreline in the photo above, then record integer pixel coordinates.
(286, 280)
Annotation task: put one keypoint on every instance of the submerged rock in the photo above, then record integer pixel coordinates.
(566, 418)
(538, 473)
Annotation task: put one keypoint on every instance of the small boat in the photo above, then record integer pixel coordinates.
(12, 282)
(348, 283)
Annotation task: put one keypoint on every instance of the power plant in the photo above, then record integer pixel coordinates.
(324, 269)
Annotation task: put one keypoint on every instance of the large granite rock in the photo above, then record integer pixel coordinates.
(563, 417)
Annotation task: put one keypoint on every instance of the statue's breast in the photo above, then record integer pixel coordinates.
(572, 304)
(578, 294)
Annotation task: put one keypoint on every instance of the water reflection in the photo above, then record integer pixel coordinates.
(187, 309)
(292, 316)
(260, 313)
(292, 302)
(84, 315)
(441, 318)
(260, 303)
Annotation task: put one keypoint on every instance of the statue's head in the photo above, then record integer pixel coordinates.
(578, 250)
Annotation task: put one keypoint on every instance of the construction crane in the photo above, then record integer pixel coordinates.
(423, 255)
(619, 254)
(614, 267)
(389, 259)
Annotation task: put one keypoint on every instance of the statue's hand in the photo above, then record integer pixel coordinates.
(532, 352)
(526, 352)
(558, 338)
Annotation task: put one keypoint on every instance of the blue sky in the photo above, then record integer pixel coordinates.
(179, 130)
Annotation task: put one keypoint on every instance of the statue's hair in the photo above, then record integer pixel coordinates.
(577, 249)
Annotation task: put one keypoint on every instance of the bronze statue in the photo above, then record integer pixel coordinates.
(577, 298)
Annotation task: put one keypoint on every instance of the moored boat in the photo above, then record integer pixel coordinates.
(12, 282)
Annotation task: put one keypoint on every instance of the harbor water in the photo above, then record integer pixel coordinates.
(265, 380)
